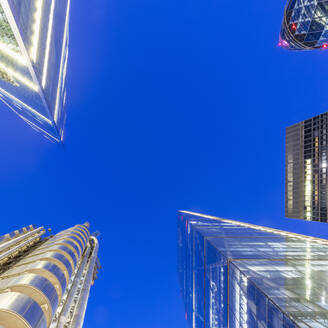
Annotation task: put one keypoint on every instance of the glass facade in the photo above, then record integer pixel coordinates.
(33, 60)
(305, 25)
(234, 274)
(306, 169)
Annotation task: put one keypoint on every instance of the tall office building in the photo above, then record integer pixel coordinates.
(305, 25)
(45, 282)
(33, 59)
(234, 274)
(306, 187)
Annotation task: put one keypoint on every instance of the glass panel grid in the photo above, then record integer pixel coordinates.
(251, 281)
(304, 24)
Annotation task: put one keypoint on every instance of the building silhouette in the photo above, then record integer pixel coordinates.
(33, 61)
(306, 170)
(45, 282)
(234, 274)
(305, 25)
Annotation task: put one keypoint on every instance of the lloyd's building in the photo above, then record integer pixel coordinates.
(45, 281)
(237, 275)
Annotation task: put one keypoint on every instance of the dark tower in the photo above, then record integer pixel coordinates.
(306, 187)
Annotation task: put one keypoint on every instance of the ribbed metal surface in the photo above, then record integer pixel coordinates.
(18, 310)
(16, 233)
(43, 284)
(79, 313)
(67, 311)
(19, 238)
(36, 287)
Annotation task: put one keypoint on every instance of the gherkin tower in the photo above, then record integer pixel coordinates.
(305, 25)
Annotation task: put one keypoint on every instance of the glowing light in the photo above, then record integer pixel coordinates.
(308, 280)
(60, 79)
(19, 77)
(283, 43)
(308, 189)
(294, 27)
(49, 34)
(323, 297)
(36, 127)
(254, 226)
(325, 46)
(36, 29)
(12, 54)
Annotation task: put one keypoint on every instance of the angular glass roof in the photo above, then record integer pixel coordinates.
(237, 274)
(33, 60)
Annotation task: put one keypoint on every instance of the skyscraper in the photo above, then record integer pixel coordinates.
(33, 60)
(45, 282)
(305, 25)
(306, 169)
(234, 274)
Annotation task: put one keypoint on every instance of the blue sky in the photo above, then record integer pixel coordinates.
(171, 105)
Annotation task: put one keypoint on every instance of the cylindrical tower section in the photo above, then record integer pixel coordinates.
(31, 290)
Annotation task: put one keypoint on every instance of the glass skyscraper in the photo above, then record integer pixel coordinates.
(306, 187)
(305, 25)
(33, 60)
(45, 282)
(234, 274)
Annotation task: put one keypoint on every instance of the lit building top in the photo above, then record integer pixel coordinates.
(33, 61)
(305, 25)
(234, 274)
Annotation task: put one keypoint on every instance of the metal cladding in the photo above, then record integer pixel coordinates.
(12, 235)
(46, 283)
(18, 242)
(18, 310)
(36, 287)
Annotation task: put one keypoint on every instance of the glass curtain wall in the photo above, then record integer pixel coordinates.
(237, 275)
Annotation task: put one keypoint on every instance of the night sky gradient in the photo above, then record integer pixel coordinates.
(171, 105)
